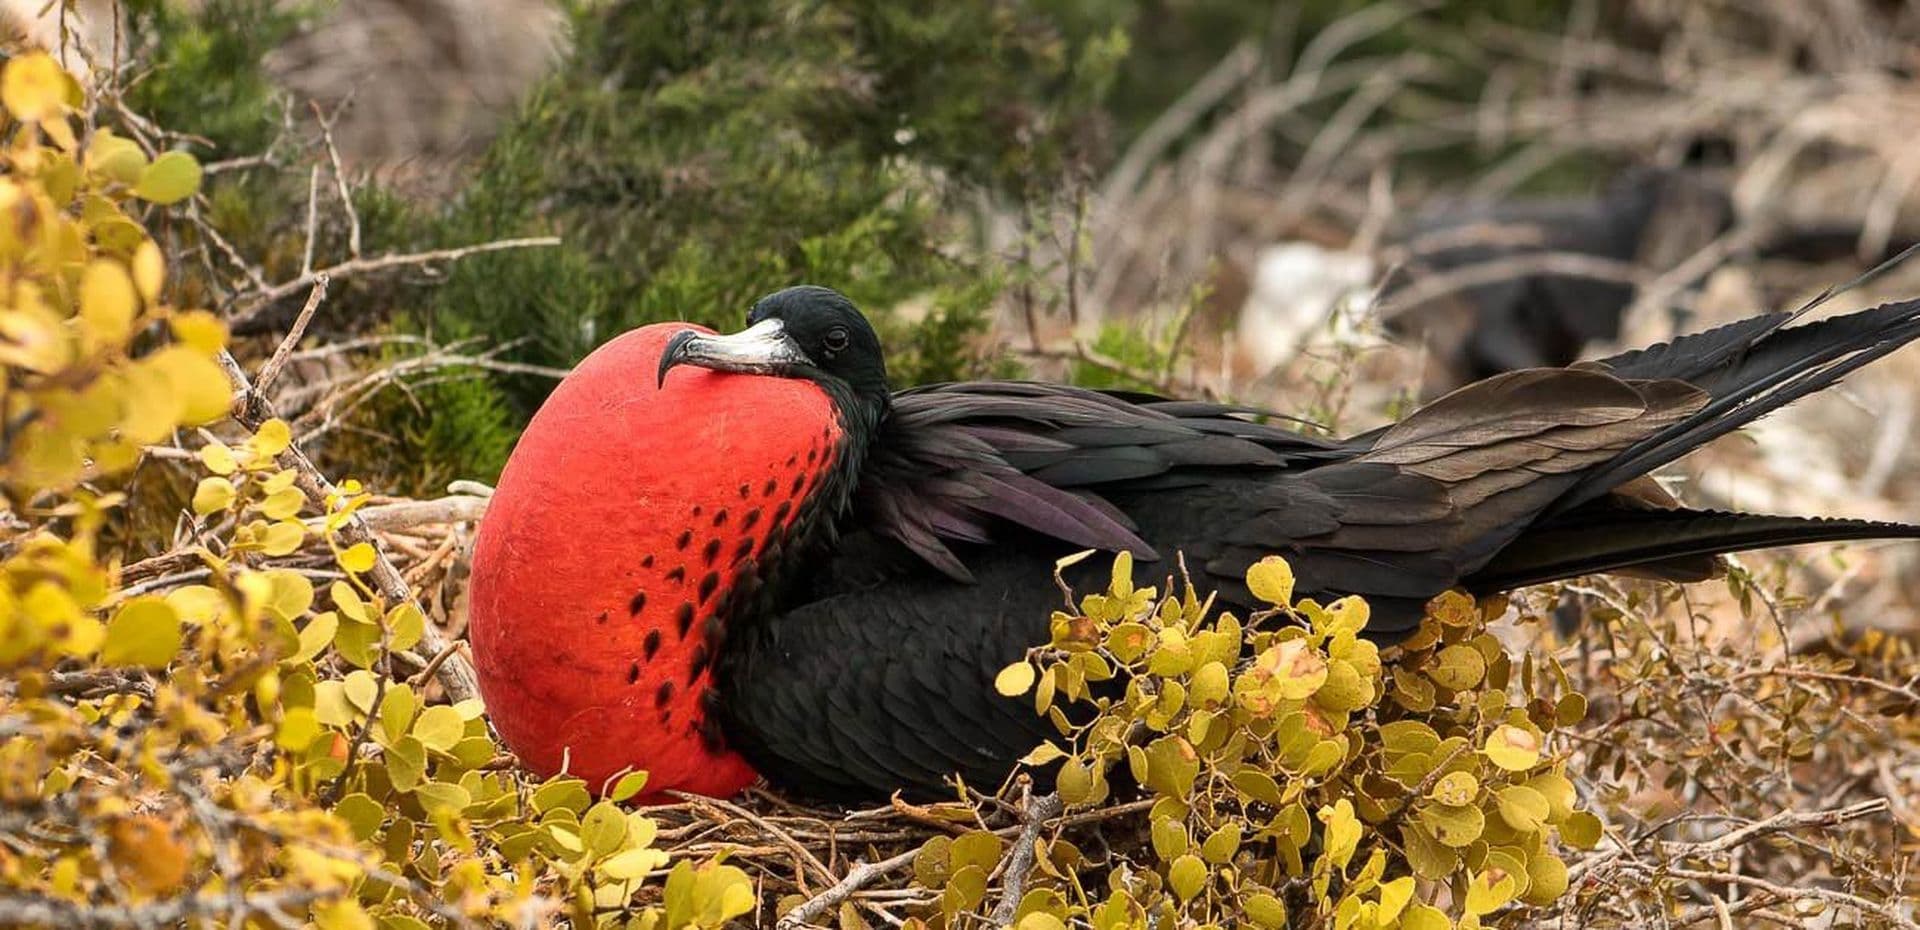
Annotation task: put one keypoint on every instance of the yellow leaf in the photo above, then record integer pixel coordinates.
(172, 177)
(628, 786)
(204, 391)
(149, 271)
(1523, 808)
(272, 438)
(357, 558)
(1043, 754)
(1187, 876)
(152, 406)
(1015, 679)
(282, 504)
(298, 729)
(630, 864)
(33, 88)
(1271, 580)
(1582, 830)
(1513, 748)
(1343, 832)
(218, 458)
(1546, 879)
(1489, 891)
(144, 632)
(212, 494)
(196, 329)
(1456, 788)
(108, 303)
(1425, 917)
(345, 914)
(1394, 896)
(283, 538)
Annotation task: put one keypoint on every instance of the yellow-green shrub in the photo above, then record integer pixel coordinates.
(1291, 771)
(223, 742)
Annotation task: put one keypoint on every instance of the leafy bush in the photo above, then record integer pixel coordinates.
(223, 742)
(1307, 779)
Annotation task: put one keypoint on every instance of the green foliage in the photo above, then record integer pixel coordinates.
(202, 67)
(1307, 778)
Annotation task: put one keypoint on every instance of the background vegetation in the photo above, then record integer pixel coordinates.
(233, 690)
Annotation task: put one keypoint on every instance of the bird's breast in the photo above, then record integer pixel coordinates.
(629, 522)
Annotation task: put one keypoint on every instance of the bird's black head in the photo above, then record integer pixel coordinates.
(801, 332)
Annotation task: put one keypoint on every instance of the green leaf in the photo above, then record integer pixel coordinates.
(171, 178)
(603, 829)
(439, 727)
(440, 795)
(405, 626)
(316, 636)
(406, 763)
(396, 711)
(145, 632)
(563, 793)
(628, 786)
(363, 815)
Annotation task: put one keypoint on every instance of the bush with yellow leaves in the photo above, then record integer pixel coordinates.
(228, 744)
(1305, 780)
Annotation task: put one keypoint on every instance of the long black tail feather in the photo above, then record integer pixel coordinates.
(1622, 538)
(1774, 367)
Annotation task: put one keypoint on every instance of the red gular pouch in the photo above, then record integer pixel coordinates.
(626, 513)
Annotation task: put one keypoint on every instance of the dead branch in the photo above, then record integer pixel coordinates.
(1034, 817)
(267, 296)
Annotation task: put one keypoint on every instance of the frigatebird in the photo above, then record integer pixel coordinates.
(712, 556)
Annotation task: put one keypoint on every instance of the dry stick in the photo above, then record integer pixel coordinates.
(252, 409)
(267, 296)
(270, 372)
(857, 878)
(454, 508)
(1020, 863)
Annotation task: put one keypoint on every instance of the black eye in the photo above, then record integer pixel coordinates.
(835, 339)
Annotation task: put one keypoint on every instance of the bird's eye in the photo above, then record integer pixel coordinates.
(835, 339)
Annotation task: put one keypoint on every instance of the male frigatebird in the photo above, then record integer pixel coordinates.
(711, 556)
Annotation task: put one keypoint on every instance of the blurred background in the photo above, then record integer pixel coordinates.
(1327, 208)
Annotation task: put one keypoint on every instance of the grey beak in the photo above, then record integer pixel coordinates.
(761, 349)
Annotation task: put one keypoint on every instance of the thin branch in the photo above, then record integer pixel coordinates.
(269, 295)
(1020, 862)
(270, 372)
(857, 878)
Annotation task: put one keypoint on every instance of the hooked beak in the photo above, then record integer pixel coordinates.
(761, 349)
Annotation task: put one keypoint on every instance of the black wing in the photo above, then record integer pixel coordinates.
(953, 460)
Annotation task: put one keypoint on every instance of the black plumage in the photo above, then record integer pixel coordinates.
(866, 665)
